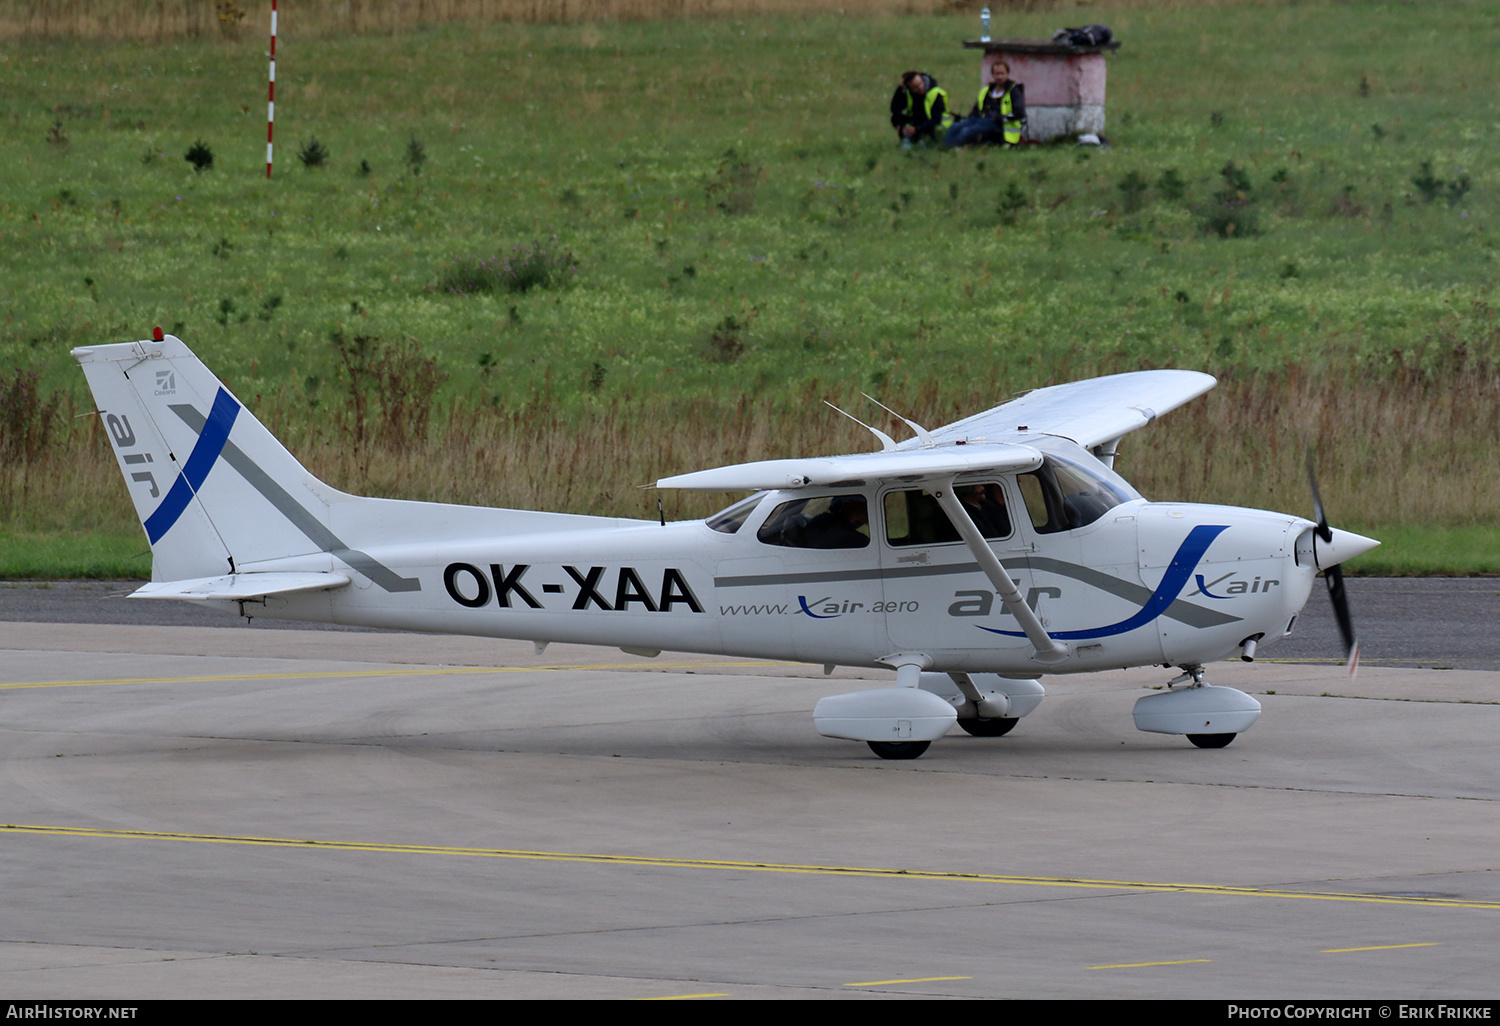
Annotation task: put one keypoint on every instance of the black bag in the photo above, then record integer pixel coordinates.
(1089, 35)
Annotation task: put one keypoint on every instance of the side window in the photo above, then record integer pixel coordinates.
(985, 504)
(820, 522)
(915, 518)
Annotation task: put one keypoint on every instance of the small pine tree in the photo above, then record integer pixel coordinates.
(200, 156)
(313, 153)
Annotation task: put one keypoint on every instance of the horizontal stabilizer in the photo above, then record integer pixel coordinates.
(859, 468)
(241, 587)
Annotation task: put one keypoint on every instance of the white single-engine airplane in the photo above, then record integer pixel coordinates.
(971, 559)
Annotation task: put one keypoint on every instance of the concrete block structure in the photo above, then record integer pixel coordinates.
(1064, 83)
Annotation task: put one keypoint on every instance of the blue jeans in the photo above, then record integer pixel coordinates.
(974, 130)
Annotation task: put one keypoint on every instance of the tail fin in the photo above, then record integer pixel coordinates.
(215, 491)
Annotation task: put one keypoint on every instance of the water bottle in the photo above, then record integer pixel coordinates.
(984, 25)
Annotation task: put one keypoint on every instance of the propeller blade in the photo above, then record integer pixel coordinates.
(1333, 575)
(1318, 514)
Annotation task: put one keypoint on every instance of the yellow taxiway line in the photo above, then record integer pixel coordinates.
(1149, 886)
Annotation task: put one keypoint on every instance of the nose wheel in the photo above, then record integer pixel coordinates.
(1209, 716)
(1193, 676)
(1211, 740)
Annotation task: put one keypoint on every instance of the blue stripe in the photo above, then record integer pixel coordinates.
(1183, 563)
(199, 462)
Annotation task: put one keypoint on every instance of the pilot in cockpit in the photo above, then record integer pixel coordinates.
(838, 527)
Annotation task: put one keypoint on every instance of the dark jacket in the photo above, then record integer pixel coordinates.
(990, 107)
(929, 113)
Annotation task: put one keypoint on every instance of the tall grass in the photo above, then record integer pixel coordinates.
(1384, 446)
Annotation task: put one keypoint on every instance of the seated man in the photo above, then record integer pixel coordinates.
(985, 505)
(839, 527)
(919, 109)
(998, 115)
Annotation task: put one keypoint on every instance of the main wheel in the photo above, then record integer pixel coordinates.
(982, 727)
(1210, 740)
(898, 749)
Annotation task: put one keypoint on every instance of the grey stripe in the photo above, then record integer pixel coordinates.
(298, 515)
(1180, 610)
(848, 575)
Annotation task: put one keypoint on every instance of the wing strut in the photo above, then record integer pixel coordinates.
(1048, 650)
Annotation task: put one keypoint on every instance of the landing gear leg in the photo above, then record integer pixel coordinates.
(1192, 676)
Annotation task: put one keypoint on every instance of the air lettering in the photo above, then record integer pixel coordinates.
(119, 430)
(1034, 595)
(149, 478)
(972, 603)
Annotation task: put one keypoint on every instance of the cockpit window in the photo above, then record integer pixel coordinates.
(819, 522)
(729, 521)
(1062, 496)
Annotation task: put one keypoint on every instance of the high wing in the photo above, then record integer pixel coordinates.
(859, 468)
(1090, 412)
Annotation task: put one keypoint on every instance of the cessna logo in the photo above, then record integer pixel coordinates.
(166, 382)
(598, 587)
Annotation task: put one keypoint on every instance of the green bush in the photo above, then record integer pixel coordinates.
(548, 265)
(200, 156)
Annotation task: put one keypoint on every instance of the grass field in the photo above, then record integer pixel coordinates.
(710, 230)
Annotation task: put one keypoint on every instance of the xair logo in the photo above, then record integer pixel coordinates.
(166, 382)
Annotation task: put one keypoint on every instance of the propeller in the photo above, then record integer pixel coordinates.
(1330, 549)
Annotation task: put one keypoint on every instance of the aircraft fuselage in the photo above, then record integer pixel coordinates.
(1146, 582)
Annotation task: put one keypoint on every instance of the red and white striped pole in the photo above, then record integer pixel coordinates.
(271, 96)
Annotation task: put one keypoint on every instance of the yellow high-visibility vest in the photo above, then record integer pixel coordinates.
(930, 99)
(1012, 128)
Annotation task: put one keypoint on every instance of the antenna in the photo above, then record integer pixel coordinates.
(922, 433)
(887, 443)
